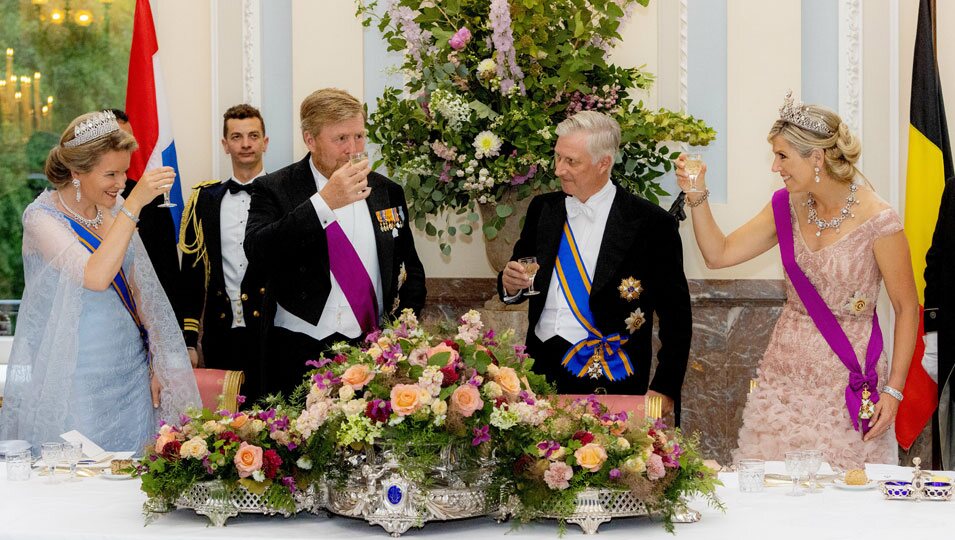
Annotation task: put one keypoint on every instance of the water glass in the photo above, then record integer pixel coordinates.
(357, 157)
(51, 453)
(795, 467)
(751, 472)
(813, 463)
(18, 465)
(72, 454)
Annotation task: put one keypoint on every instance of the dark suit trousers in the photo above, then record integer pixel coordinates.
(288, 351)
(236, 349)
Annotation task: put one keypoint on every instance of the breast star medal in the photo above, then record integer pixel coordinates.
(630, 289)
(635, 320)
(867, 408)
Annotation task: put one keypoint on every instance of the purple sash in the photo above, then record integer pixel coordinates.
(353, 278)
(826, 322)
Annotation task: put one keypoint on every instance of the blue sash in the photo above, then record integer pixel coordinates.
(120, 284)
(596, 354)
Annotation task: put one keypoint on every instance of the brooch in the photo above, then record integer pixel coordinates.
(857, 304)
(630, 289)
(635, 320)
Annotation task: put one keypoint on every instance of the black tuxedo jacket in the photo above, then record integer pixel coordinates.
(158, 233)
(940, 287)
(285, 237)
(212, 305)
(640, 241)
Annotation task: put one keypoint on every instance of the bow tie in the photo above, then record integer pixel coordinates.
(576, 208)
(235, 187)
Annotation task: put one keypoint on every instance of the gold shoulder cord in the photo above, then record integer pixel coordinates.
(190, 220)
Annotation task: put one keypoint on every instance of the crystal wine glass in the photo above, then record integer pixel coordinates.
(73, 452)
(813, 462)
(795, 466)
(530, 272)
(51, 453)
(694, 166)
(357, 157)
(166, 203)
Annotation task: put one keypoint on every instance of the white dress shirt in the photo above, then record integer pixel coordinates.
(233, 215)
(338, 316)
(588, 224)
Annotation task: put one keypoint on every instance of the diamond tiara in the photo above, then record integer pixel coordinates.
(796, 113)
(99, 125)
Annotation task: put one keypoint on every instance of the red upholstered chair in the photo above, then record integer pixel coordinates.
(615, 402)
(219, 388)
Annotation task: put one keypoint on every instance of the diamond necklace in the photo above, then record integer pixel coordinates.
(834, 223)
(90, 223)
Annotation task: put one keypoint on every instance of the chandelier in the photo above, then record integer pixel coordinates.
(70, 12)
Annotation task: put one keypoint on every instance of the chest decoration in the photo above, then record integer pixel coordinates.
(630, 289)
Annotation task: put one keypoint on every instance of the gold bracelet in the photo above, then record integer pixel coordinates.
(699, 201)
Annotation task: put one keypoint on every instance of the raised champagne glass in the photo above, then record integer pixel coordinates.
(166, 203)
(530, 272)
(694, 166)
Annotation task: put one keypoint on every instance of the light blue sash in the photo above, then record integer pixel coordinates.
(120, 284)
(596, 354)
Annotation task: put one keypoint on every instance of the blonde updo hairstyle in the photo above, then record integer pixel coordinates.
(62, 161)
(841, 150)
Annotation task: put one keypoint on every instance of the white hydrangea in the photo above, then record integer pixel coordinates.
(452, 107)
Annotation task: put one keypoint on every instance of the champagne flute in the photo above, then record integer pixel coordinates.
(694, 166)
(530, 272)
(166, 203)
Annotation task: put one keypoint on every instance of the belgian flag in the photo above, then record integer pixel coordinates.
(929, 164)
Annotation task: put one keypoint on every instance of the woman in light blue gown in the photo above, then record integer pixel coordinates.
(97, 346)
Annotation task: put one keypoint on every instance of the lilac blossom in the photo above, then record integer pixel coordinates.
(507, 69)
(519, 179)
(416, 40)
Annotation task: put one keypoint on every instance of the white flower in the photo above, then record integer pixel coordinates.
(354, 407)
(346, 393)
(492, 390)
(487, 144)
(486, 68)
(258, 476)
(439, 407)
(304, 463)
(502, 419)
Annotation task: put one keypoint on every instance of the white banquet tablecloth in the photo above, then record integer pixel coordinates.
(97, 508)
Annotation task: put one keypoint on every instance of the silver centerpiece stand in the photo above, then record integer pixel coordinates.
(377, 489)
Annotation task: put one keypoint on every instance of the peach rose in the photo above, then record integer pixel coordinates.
(466, 399)
(357, 376)
(248, 459)
(195, 448)
(591, 457)
(405, 399)
(163, 440)
(509, 381)
(441, 348)
(239, 421)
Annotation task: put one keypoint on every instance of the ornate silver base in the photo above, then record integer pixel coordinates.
(219, 500)
(379, 493)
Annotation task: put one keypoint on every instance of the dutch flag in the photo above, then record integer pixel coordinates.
(147, 107)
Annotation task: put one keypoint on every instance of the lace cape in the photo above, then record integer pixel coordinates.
(39, 375)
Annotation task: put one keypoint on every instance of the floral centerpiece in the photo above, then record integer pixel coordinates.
(403, 388)
(487, 81)
(259, 450)
(584, 446)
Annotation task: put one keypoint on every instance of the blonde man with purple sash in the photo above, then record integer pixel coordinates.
(824, 381)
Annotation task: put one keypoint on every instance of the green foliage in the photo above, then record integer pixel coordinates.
(432, 129)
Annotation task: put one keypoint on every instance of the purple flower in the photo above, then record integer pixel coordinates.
(526, 397)
(280, 424)
(460, 38)
(184, 418)
(372, 337)
(521, 178)
(224, 413)
(266, 415)
(520, 352)
(614, 473)
(507, 68)
(325, 380)
(240, 399)
(378, 410)
(289, 482)
(416, 39)
(291, 445)
(481, 435)
(318, 364)
(548, 448)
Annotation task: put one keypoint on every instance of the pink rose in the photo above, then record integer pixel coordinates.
(443, 348)
(357, 376)
(405, 399)
(248, 459)
(466, 399)
(509, 382)
(460, 38)
(655, 468)
(163, 440)
(558, 475)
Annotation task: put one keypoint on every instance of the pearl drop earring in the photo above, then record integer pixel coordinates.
(817, 174)
(76, 185)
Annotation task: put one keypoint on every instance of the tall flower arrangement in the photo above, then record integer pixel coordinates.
(487, 81)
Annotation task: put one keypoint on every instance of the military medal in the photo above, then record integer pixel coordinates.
(867, 408)
(594, 369)
(630, 289)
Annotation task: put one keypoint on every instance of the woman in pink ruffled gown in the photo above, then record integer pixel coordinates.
(846, 240)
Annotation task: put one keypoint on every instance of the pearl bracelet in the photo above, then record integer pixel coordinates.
(129, 214)
(892, 392)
